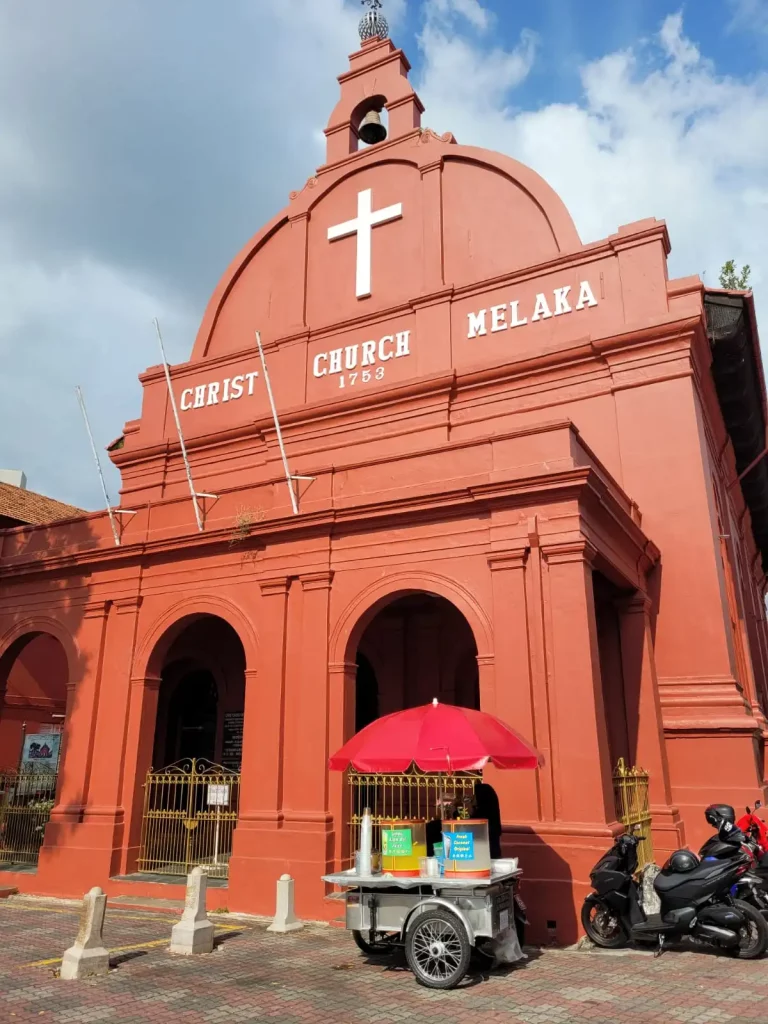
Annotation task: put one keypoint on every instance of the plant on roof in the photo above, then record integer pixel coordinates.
(733, 279)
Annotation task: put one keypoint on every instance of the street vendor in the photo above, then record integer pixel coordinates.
(485, 806)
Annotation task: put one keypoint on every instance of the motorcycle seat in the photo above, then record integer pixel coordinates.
(707, 869)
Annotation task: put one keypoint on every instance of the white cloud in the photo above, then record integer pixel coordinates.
(464, 71)
(140, 146)
(750, 15)
(477, 15)
(657, 132)
(681, 50)
(85, 323)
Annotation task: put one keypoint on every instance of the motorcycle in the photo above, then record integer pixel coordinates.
(757, 831)
(752, 825)
(731, 839)
(695, 901)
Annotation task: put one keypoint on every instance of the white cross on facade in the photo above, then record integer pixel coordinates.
(363, 226)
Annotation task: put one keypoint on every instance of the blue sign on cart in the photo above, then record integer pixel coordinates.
(462, 846)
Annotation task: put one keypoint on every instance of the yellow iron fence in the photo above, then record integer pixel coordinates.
(190, 813)
(411, 795)
(633, 809)
(26, 801)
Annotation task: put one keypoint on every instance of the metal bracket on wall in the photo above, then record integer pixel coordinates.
(194, 494)
(290, 478)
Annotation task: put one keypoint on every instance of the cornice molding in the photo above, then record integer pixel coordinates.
(500, 561)
(564, 485)
(316, 580)
(275, 586)
(565, 552)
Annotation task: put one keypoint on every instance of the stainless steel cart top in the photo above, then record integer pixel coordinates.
(351, 879)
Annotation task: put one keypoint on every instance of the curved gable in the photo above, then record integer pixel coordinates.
(467, 215)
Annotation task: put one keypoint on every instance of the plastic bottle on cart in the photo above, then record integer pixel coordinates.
(364, 862)
(440, 858)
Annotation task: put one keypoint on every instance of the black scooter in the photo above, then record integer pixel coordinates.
(695, 901)
(729, 841)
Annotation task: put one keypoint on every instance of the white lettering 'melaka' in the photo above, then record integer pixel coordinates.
(507, 316)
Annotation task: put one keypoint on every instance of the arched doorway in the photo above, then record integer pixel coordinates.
(417, 647)
(202, 696)
(34, 672)
(192, 790)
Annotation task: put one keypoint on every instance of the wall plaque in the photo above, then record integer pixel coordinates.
(232, 745)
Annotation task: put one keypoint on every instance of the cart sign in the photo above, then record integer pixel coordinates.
(397, 842)
(218, 796)
(41, 752)
(461, 846)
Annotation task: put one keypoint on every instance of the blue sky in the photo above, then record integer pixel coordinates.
(143, 143)
(574, 32)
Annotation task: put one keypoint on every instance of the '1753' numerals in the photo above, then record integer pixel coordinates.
(363, 377)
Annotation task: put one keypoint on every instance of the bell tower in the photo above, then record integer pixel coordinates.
(377, 80)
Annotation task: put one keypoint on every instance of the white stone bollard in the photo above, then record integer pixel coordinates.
(88, 958)
(194, 932)
(285, 919)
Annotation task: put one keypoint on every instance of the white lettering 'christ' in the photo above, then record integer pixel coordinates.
(363, 226)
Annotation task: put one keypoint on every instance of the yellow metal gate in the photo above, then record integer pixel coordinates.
(190, 813)
(410, 795)
(633, 809)
(26, 801)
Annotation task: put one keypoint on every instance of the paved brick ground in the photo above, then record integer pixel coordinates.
(317, 977)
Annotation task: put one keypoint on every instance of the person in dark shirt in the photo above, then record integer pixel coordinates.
(486, 807)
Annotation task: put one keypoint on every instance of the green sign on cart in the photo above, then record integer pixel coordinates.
(397, 842)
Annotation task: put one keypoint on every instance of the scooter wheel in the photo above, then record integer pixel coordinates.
(753, 935)
(602, 925)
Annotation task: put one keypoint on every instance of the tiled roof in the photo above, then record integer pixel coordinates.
(34, 509)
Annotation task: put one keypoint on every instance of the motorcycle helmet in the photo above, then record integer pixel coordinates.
(680, 863)
(717, 813)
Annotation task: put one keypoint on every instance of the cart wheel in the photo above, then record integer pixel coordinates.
(373, 948)
(437, 949)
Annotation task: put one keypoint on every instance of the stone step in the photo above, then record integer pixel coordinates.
(7, 891)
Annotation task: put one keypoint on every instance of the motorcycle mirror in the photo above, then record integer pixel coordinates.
(748, 810)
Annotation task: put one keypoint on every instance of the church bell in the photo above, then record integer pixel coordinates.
(371, 129)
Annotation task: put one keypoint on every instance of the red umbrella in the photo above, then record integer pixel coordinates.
(436, 738)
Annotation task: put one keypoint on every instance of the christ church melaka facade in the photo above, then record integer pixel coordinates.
(521, 486)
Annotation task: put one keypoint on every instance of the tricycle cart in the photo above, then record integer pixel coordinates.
(436, 916)
(437, 921)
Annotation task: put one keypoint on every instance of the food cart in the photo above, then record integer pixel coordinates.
(435, 908)
(437, 921)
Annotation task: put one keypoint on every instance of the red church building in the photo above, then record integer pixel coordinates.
(528, 476)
